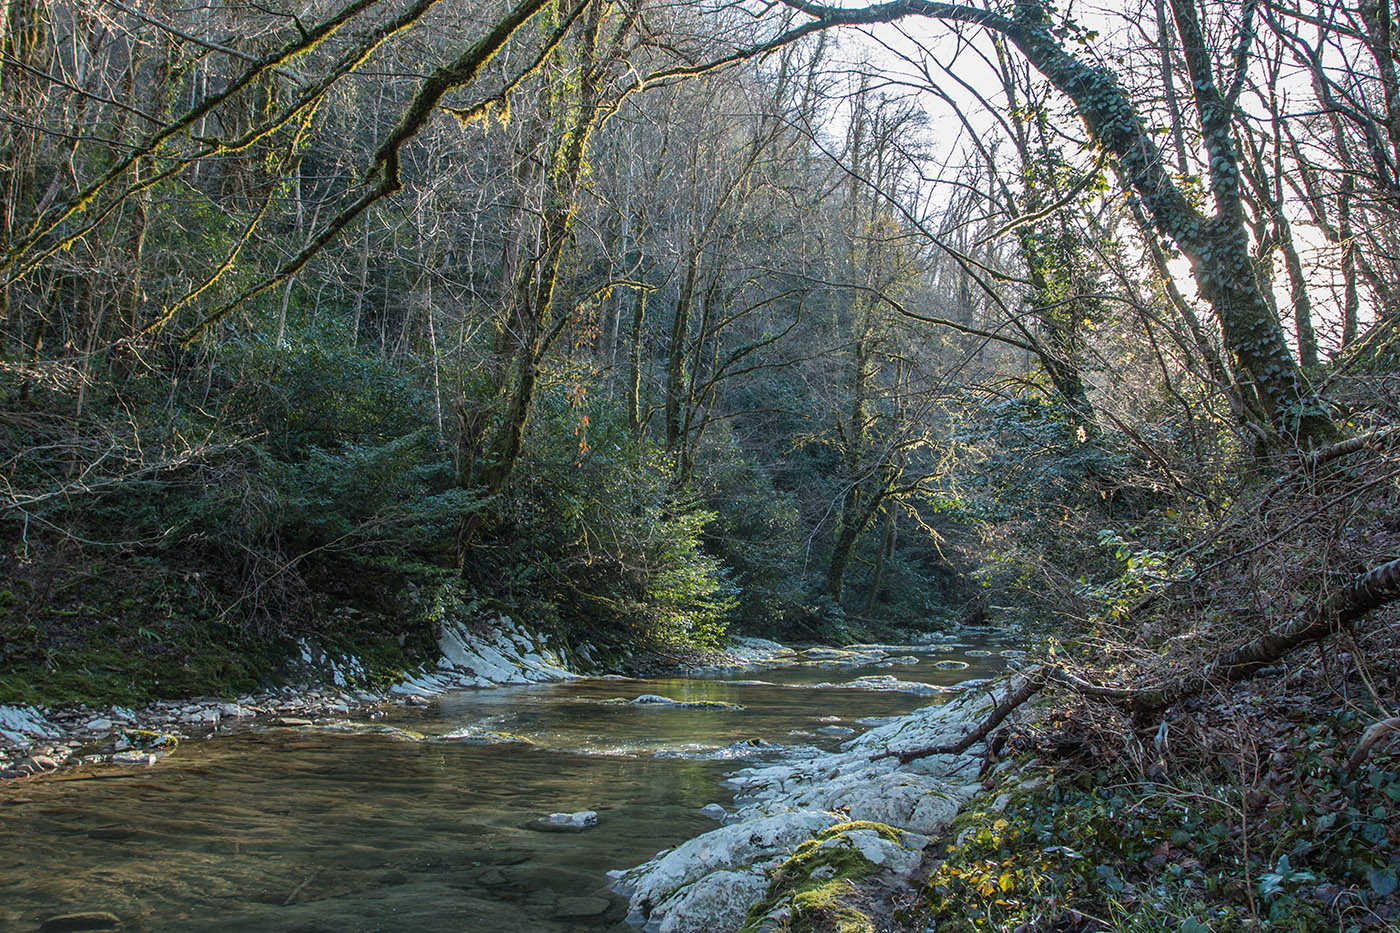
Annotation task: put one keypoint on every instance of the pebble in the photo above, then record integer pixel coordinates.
(36, 763)
(99, 725)
(714, 811)
(133, 758)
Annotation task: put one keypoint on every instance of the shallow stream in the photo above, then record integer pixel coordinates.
(410, 822)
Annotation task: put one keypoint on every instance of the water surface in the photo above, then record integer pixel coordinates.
(341, 828)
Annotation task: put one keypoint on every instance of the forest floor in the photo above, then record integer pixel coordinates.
(1246, 809)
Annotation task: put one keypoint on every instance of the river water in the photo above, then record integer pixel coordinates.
(409, 822)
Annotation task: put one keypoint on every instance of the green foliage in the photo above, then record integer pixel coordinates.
(756, 534)
(1142, 570)
(318, 390)
(600, 536)
(390, 498)
(1177, 854)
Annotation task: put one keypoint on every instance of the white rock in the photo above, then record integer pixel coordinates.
(99, 725)
(717, 901)
(577, 820)
(22, 725)
(715, 812)
(726, 848)
(133, 758)
(504, 655)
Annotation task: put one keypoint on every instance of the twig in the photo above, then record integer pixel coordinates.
(296, 892)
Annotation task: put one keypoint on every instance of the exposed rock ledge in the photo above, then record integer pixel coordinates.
(710, 882)
(36, 740)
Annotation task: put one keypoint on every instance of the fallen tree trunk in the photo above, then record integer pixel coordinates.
(1370, 590)
(1366, 592)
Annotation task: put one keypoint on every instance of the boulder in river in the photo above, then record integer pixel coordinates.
(715, 812)
(652, 699)
(581, 819)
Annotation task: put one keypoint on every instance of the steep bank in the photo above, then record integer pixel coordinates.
(36, 739)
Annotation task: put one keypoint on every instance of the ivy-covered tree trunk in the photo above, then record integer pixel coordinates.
(1216, 245)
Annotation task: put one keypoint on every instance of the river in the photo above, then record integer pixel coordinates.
(410, 822)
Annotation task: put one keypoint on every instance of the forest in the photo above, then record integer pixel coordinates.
(657, 322)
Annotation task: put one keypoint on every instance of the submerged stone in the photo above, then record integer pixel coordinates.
(582, 819)
(715, 812)
(96, 920)
(652, 699)
(581, 907)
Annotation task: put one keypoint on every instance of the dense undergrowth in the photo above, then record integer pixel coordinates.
(1258, 824)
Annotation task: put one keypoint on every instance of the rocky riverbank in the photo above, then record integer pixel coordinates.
(803, 830)
(35, 741)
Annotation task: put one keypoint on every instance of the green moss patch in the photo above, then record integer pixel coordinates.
(816, 883)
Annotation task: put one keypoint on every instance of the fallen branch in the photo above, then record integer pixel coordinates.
(1380, 437)
(1368, 591)
(1033, 684)
(1370, 737)
(1371, 590)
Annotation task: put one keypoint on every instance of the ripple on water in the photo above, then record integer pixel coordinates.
(418, 821)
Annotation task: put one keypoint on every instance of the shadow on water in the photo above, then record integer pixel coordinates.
(336, 829)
